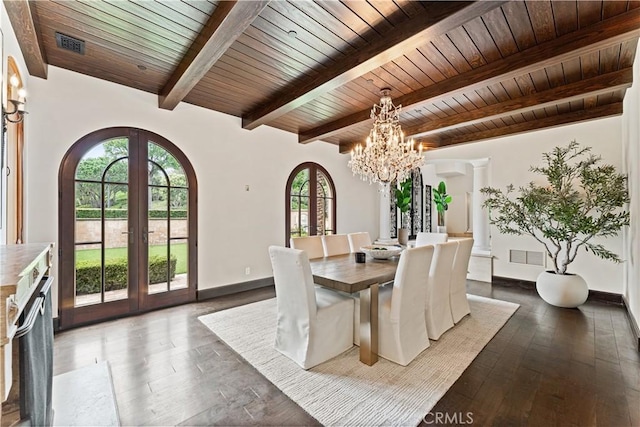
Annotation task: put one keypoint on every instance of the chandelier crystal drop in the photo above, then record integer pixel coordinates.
(386, 156)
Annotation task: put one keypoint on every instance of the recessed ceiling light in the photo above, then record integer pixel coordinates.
(293, 34)
(141, 67)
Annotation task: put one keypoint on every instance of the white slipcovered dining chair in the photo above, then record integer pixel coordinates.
(358, 240)
(424, 238)
(438, 308)
(402, 329)
(458, 287)
(312, 245)
(314, 323)
(335, 244)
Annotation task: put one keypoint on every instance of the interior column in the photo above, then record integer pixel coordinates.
(481, 230)
(385, 212)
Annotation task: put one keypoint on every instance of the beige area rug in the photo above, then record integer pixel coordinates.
(345, 392)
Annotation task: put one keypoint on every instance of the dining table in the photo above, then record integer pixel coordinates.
(343, 273)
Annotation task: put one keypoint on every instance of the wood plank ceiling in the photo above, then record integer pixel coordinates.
(463, 71)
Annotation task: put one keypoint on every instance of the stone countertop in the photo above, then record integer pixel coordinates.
(15, 262)
(14, 259)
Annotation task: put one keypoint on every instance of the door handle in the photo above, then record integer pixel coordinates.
(145, 235)
(130, 233)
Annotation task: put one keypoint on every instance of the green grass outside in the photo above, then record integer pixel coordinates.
(177, 249)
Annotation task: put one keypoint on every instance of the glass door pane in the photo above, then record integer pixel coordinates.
(116, 243)
(180, 252)
(166, 233)
(179, 230)
(156, 233)
(102, 232)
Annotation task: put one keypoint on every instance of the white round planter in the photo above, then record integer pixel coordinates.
(562, 290)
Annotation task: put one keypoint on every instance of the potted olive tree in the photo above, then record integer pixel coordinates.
(442, 200)
(581, 200)
(403, 203)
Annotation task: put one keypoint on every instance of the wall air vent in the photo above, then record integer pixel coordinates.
(64, 41)
(527, 257)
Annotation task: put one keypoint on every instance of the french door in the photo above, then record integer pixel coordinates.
(127, 226)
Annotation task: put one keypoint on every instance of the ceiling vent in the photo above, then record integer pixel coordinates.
(70, 43)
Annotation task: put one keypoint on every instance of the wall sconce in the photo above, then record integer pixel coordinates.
(16, 114)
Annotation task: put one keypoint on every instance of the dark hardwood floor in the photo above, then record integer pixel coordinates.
(547, 366)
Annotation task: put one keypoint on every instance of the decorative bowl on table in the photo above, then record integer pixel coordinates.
(381, 251)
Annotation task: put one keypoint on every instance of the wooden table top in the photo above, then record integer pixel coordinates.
(341, 272)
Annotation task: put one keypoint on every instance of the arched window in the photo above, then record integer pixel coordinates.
(310, 202)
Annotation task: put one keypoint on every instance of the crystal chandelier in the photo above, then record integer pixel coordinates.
(386, 156)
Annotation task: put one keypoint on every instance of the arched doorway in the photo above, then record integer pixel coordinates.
(127, 226)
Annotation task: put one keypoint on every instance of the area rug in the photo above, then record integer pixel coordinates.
(345, 392)
(85, 397)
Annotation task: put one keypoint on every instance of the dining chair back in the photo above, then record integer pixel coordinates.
(424, 238)
(312, 245)
(458, 288)
(401, 325)
(358, 240)
(314, 324)
(335, 244)
(438, 308)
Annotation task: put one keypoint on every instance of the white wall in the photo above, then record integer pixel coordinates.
(8, 228)
(510, 160)
(631, 154)
(67, 106)
(235, 226)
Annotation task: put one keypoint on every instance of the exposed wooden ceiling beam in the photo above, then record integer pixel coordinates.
(607, 110)
(417, 31)
(228, 21)
(593, 38)
(605, 83)
(335, 127)
(25, 24)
